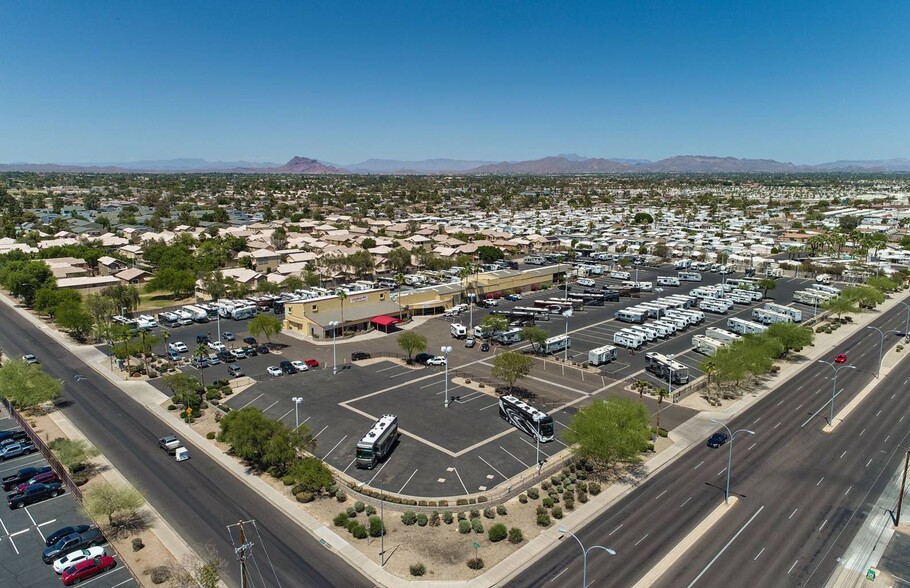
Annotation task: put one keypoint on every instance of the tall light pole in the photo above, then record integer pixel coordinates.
(446, 350)
(567, 314)
(296, 400)
(334, 327)
(907, 325)
(730, 454)
(584, 555)
(881, 347)
(834, 385)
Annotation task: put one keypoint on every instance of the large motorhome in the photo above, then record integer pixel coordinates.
(667, 281)
(377, 443)
(631, 315)
(689, 276)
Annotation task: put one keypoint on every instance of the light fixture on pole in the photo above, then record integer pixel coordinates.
(568, 315)
(446, 350)
(907, 325)
(834, 385)
(730, 454)
(881, 347)
(334, 326)
(584, 555)
(296, 400)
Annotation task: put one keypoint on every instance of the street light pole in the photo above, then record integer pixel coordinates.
(296, 400)
(730, 454)
(446, 350)
(334, 325)
(881, 347)
(567, 314)
(834, 385)
(584, 555)
(907, 325)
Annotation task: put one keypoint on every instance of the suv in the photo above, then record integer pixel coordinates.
(287, 367)
(470, 342)
(72, 542)
(359, 355)
(235, 371)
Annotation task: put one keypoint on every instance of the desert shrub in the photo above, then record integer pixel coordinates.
(489, 513)
(545, 486)
(461, 502)
(481, 498)
(172, 407)
(159, 574)
(523, 498)
(351, 524)
(533, 493)
(464, 527)
(541, 510)
(594, 488)
(569, 504)
(351, 512)
(475, 514)
(417, 569)
(447, 517)
(501, 510)
(435, 519)
(359, 506)
(543, 520)
(376, 526)
(359, 531)
(304, 497)
(422, 503)
(422, 520)
(548, 502)
(475, 563)
(582, 497)
(340, 496)
(371, 510)
(515, 535)
(409, 517)
(568, 495)
(341, 519)
(582, 487)
(557, 512)
(462, 516)
(497, 533)
(137, 543)
(477, 525)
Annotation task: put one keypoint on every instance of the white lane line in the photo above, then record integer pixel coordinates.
(800, 406)
(431, 384)
(800, 388)
(686, 502)
(699, 465)
(893, 395)
(19, 532)
(751, 446)
(387, 369)
(406, 482)
(792, 513)
(252, 401)
(819, 480)
(791, 567)
(48, 522)
(127, 581)
(868, 462)
(303, 423)
(5, 530)
(661, 494)
(269, 406)
(558, 575)
(616, 529)
(333, 448)
(721, 552)
(13, 543)
(759, 554)
(878, 413)
(848, 490)
(384, 464)
(34, 523)
(823, 525)
(861, 432)
(775, 426)
(900, 419)
(535, 446)
(842, 455)
(491, 406)
(320, 432)
(779, 403)
(281, 418)
(513, 457)
(349, 466)
(640, 540)
(722, 471)
(886, 439)
(460, 480)
(756, 420)
(494, 469)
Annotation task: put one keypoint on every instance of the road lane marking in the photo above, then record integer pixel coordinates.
(558, 575)
(640, 540)
(31, 518)
(791, 567)
(494, 469)
(661, 494)
(756, 420)
(281, 418)
(616, 529)
(820, 481)
(842, 455)
(848, 490)
(779, 403)
(699, 465)
(269, 406)
(878, 413)
(751, 446)
(792, 513)
(861, 432)
(491, 406)
(759, 554)
(535, 447)
(800, 388)
(868, 462)
(333, 448)
(460, 480)
(13, 543)
(775, 426)
(406, 481)
(800, 406)
(886, 439)
(823, 525)
(18, 532)
(893, 395)
(900, 419)
(303, 423)
(721, 552)
(431, 384)
(686, 502)
(722, 471)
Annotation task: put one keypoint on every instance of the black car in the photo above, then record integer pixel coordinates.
(228, 336)
(61, 533)
(423, 358)
(226, 357)
(359, 355)
(250, 351)
(23, 475)
(34, 493)
(716, 440)
(484, 346)
(262, 349)
(12, 436)
(250, 340)
(202, 339)
(72, 542)
(287, 367)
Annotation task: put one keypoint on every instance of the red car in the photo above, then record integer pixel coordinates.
(312, 363)
(45, 478)
(841, 358)
(87, 569)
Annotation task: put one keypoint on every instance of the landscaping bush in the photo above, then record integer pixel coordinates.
(557, 512)
(545, 486)
(418, 569)
(351, 512)
(376, 526)
(359, 506)
(462, 516)
(543, 520)
(371, 510)
(582, 497)
(594, 488)
(489, 513)
(422, 520)
(497, 533)
(464, 527)
(409, 517)
(359, 531)
(548, 502)
(305, 497)
(567, 495)
(477, 525)
(475, 563)
(435, 519)
(515, 535)
(447, 517)
(297, 489)
(533, 493)
(137, 543)
(501, 510)
(172, 407)
(523, 498)
(159, 574)
(541, 510)
(341, 519)
(340, 496)
(475, 514)
(570, 504)
(351, 524)
(210, 435)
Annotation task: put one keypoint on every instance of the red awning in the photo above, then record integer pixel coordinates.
(385, 321)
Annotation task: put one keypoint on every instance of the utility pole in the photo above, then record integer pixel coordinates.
(243, 551)
(900, 497)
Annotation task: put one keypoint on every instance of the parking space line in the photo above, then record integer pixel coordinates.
(406, 481)
(19, 532)
(40, 459)
(382, 467)
(281, 418)
(391, 367)
(122, 583)
(30, 517)
(460, 480)
(269, 406)
(534, 446)
(344, 471)
(320, 432)
(303, 423)
(5, 530)
(324, 457)
(114, 571)
(513, 457)
(492, 467)
(251, 401)
(490, 406)
(13, 543)
(431, 384)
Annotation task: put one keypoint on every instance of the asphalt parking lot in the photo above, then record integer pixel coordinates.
(23, 532)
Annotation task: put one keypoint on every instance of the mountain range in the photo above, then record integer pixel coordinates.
(557, 164)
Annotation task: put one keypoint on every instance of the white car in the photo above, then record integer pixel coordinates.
(178, 346)
(438, 360)
(274, 370)
(74, 557)
(29, 359)
(300, 366)
(217, 346)
(586, 282)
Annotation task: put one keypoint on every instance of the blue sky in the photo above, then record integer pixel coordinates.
(800, 81)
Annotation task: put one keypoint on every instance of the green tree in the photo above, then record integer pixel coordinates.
(101, 309)
(609, 432)
(264, 325)
(185, 388)
(263, 442)
(48, 300)
(311, 473)
(864, 296)
(201, 352)
(123, 296)
(73, 453)
(511, 366)
(368, 243)
(342, 296)
(74, 319)
(882, 284)
(27, 386)
(643, 218)
(180, 283)
(489, 253)
(494, 323)
(399, 260)
(117, 503)
(792, 336)
(536, 336)
(840, 306)
(279, 238)
(214, 284)
(24, 278)
(411, 342)
(767, 284)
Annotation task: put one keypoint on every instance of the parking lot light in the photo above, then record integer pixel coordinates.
(446, 350)
(334, 327)
(297, 400)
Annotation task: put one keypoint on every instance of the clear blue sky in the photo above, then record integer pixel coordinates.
(795, 80)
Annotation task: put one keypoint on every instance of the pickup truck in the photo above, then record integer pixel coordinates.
(23, 475)
(34, 493)
(169, 443)
(73, 542)
(16, 449)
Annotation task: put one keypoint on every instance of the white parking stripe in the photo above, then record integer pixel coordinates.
(324, 457)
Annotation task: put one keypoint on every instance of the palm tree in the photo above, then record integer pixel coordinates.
(342, 296)
(661, 392)
(202, 352)
(165, 335)
(640, 385)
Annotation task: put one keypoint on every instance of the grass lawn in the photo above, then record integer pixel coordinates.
(156, 300)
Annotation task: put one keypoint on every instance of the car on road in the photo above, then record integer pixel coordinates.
(87, 569)
(274, 370)
(178, 346)
(34, 493)
(85, 538)
(438, 360)
(423, 358)
(470, 342)
(63, 532)
(300, 366)
(358, 355)
(235, 371)
(30, 359)
(287, 367)
(262, 349)
(74, 557)
(311, 363)
(841, 358)
(513, 297)
(173, 355)
(490, 302)
(23, 475)
(717, 439)
(45, 478)
(216, 345)
(16, 449)
(226, 356)
(484, 346)
(199, 362)
(238, 353)
(250, 340)
(228, 336)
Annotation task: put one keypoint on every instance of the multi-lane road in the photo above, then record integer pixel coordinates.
(802, 493)
(199, 498)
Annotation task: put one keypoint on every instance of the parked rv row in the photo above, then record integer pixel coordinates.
(659, 318)
(816, 294)
(713, 339)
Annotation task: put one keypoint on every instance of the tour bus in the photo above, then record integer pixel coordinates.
(628, 340)
(602, 355)
(630, 315)
(566, 302)
(377, 443)
(535, 260)
(648, 334)
(769, 317)
(744, 327)
(542, 314)
(706, 345)
(666, 369)
(510, 336)
(795, 314)
(721, 335)
(526, 418)
(689, 276)
(620, 275)
(667, 281)
(556, 344)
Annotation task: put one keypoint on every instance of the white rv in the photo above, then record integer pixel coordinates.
(744, 327)
(628, 340)
(602, 355)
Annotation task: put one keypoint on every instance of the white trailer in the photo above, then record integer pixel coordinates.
(628, 340)
(744, 327)
(689, 276)
(602, 355)
(556, 344)
(794, 313)
(769, 317)
(809, 297)
(706, 345)
(721, 335)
